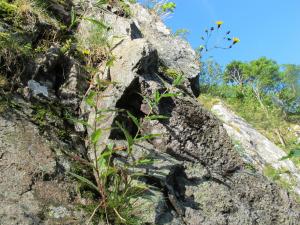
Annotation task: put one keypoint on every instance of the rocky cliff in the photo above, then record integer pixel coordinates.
(195, 177)
(257, 150)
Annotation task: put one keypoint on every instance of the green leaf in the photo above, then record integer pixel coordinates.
(144, 162)
(73, 18)
(84, 180)
(292, 154)
(147, 137)
(111, 60)
(134, 119)
(90, 99)
(75, 120)
(96, 136)
(168, 7)
(128, 137)
(169, 95)
(178, 81)
(109, 171)
(157, 97)
(97, 23)
(101, 2)
(106, 154)
(157, 117)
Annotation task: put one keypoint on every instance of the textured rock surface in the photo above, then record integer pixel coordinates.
(173, 52)
(203, 180)
(32, 184)
(258, 150)
(196, 176)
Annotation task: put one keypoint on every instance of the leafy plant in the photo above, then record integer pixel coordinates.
(115, 184)
(183, 33)
(295, 153)
(74, 19)
(122, 4)
(95, 44)
(163, 8)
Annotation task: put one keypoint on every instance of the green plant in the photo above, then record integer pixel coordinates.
(95, 44)
(122, 4)
(183, 33)
(260, 92)
(212, 34)
(74, 19)
(168, 7)
(67, 46)
(7, 9)
(114, 183)
(272, 173)
(295, 153)
(13, 56)
(163, 8)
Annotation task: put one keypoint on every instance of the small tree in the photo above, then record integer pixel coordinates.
(263, 75)
(235, 73)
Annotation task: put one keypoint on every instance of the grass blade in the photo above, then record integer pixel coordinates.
(84, 180)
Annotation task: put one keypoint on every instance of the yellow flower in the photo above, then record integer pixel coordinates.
(235, 40)
(86, 52)
(219, 23)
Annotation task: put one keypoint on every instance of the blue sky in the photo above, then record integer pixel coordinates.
(268, 28)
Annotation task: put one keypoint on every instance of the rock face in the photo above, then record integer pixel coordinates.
(196, 176)
(204, 180)
(33, 186)
(258, 150)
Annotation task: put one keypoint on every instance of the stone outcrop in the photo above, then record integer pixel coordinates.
(257, 149)
(205, 180)
(33, 185)
(196, 176)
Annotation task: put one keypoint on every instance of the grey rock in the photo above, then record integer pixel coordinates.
(195, 165)
(37, 89)
(257, 149)
(173, 52)
(29, 182)
(106, 101)
(74, 85)
(195, 176)
(132, 57)
(193, 134)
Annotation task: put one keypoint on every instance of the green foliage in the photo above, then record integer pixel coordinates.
(168, 7)
(67, 46)
(272, 173)
(263, 74)
(276, 176)
(122, 4)
(170, 72)
(95, 44)
(295, 153)
(178, 80)
(7, 9)
(116, 186)
(258, 91)
(74, 19)
(163, 8)
(235, 73)
(183, 33)
(14, 55)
